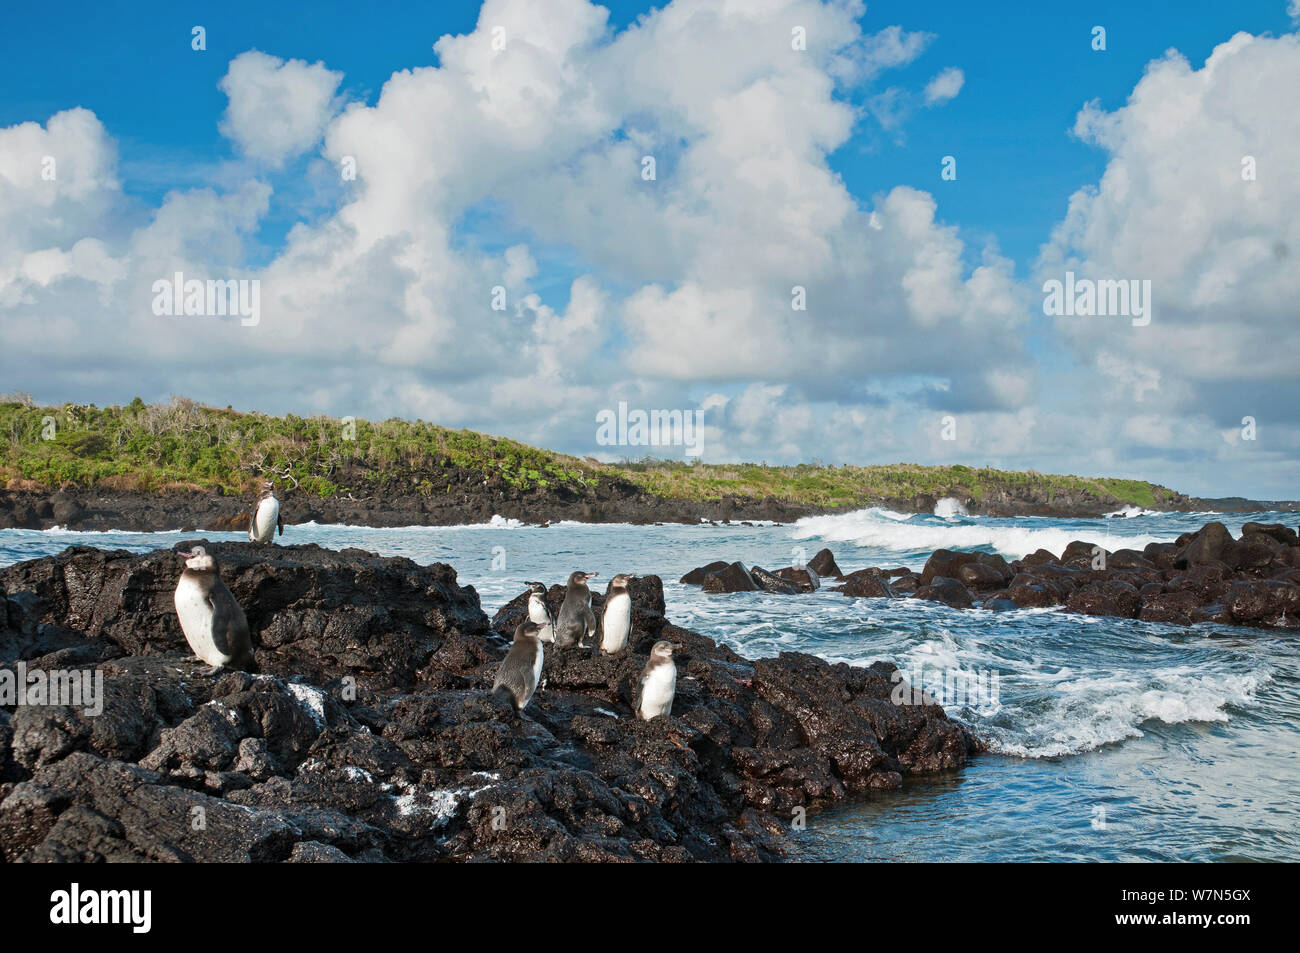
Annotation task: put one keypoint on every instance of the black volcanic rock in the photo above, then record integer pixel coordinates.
(824, 565)
(1283, 534)
(696, 576)
(771, 582)
(948, 591)
(804, 579)
(1211, 543)
(1030, 593)
(1205, 576)
(864, 584)
(733, 578)
(1110, 597)
(1266, 601)
(944, 562)
(981, 575)
(368, 733)
(1175, 607)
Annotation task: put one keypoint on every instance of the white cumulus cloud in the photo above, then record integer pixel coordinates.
(277, 109)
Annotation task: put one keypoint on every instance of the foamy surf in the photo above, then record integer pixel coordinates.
(877, 529)
(1129, 512)
(948, 508)
(1083, 714)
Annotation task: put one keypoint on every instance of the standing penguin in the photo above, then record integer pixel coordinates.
(522, 669)
(576, 620)
(266, 516)
(616, 622)
(540, 612)
(658, 685)
(213, 623)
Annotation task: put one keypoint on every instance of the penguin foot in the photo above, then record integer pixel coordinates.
(214, 669)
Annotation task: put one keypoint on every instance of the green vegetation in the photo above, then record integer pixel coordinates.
(184, 444)
(846, 485)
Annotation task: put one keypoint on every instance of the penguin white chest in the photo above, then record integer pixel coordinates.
(618, 623)
(195, 614)
(658, 691)
(537, 613)
(264, 523)
(537, 671)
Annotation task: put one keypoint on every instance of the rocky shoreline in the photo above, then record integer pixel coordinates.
(367, 733)
(1206, 576)
(477, 501)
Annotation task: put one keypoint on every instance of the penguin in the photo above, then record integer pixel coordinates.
(213, 623)
(519, 674)
(540, 612)
(576, 620)
(616, 621)
(658, 685)
(266, 516)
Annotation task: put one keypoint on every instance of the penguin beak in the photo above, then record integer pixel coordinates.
(592, 575)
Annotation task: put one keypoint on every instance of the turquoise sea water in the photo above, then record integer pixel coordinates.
(1111, 739)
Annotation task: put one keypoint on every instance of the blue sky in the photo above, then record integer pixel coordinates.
(1027, 72)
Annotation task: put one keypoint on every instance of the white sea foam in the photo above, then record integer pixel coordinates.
(948, 507)
(1129, 512)
(497, 522)
(1081, 714)
(873, 528)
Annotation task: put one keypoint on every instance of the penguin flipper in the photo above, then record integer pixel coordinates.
(230, 632)
(221, 620)
(280, 523)
(637, 694)
(511, 680)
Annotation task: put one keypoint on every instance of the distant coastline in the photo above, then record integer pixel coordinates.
(182, 465)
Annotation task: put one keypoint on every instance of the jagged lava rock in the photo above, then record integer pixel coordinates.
(368, 733)
(824, 565)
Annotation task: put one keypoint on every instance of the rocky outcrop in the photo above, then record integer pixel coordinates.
(368, 733)
(464, 496)
(823, 564)
(468, 495)
(1206, 576)
(735, 577)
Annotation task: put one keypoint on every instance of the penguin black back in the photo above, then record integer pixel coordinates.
(576, 620)
(520, 672)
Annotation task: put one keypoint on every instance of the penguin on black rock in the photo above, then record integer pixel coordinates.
(658, 685)
(213, 623)
(576, 620)
(616, 620)
(540, 612)
(522, 669)
(266, 516)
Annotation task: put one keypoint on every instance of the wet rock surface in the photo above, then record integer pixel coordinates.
(367, 733)
(1206, 576)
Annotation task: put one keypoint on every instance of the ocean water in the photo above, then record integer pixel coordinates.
(1111, 740)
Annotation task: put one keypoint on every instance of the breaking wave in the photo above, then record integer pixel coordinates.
(894, 533)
